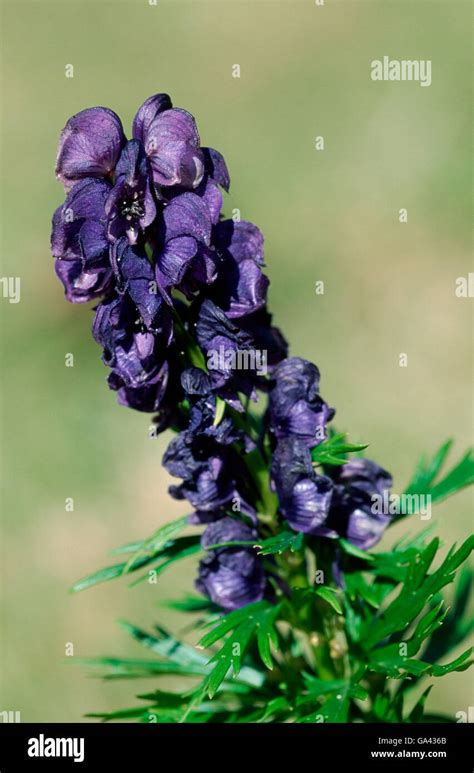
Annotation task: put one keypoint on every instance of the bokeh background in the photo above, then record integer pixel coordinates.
(331, 216)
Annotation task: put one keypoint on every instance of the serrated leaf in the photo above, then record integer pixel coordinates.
(240, 627)
(286, 540)
(416, 592)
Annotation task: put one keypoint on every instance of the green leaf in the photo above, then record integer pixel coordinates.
(334, 451)
(159, 545)
(338, 694)
(426, 479)
(352, 550)
(165, 645)
(286, 540)
(182, 547)
(242, 625)
(190, 604)
(109, 573)
(418, 588)
(329, 595)
(152, 546)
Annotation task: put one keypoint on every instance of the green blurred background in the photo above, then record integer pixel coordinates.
(331, 216)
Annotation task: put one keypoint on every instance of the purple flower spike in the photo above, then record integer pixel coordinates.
(231, 577)
(89, 146)
(130, 206)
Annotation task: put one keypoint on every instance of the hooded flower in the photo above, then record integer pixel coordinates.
(139, 371)
(79, 242)
(354, 514)
(135, 276)
(130, 206)
(296, 407)
(241, 288)
(232, 357)
(171, 141)
(230, 577)
(304, 496)
(89, 146)
(82, 285)
(184, 258)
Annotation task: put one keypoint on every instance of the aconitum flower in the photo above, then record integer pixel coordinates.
(353, 514)
(89, 146)
(233, 576)
(130, 206)
(304, 496)
(183, 257)
(171, 141)
(139, 369)
(296, 407)
(203, 457)
(241, 288)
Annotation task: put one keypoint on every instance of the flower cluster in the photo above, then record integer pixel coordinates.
(181, 304)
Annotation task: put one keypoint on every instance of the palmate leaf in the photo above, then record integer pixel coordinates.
(240, 627)
(418, 589)
(427, 480)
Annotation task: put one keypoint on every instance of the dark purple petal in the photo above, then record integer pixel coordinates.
(187, 215)
(242, 240)
(147, 398)
(89, 145)
(171, 142)
(84, 205)
(216, 167)
(353, 513)
(296, 408)
(93, 243)
(173, 262)
(212, 322)
(231, 577)
(304, 496)
(209, 192)
(81, 285)
(147, 113)
(138, 279)
(241, 288)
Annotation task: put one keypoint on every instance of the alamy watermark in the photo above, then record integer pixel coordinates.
(238, 359)
(402, 504)
(387, 69)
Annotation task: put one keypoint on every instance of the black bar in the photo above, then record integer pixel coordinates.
(133, 747)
